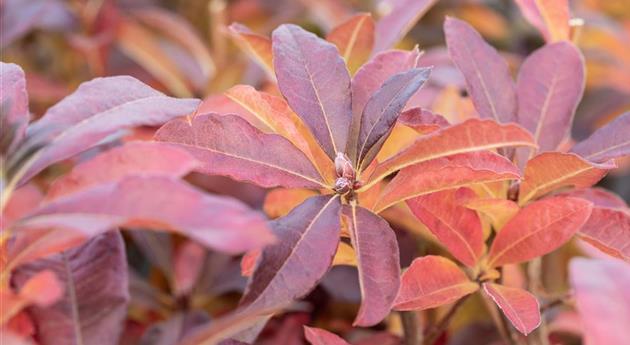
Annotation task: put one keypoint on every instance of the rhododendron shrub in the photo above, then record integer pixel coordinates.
(435, 198)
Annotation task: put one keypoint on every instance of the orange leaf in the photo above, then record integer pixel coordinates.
(609, 231)
(538, 229)
(257, 46)
(430, 282)
(279, 202)
(355, 39)
(500, 211)
(551, 171)
(520, 306)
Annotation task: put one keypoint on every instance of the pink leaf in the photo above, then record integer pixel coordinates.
(43, 288)
(401, 17)
(519, 306)
(455, 226)
(538, 229)
(160, 203)
(228, 145)
(422, 120)
(317, 336)
(488, 78)
(315, 81)
(609, 230)
(600, 197)
(97, 109)
(549, 87)
(382, 110)
(135, 158)
(446, 173)
(432, 281)
(307, 241)
(14, 102)
(603, 299)
(23, 200)
(95, 305)
(551, 18)
(608, 142)
(378, 263)
(187, 265)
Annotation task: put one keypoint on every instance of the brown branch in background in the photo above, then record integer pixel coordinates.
(432, 334)
(534, 274)
(411, 328)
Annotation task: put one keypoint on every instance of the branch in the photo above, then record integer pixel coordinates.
(433, 334)
(411, 328)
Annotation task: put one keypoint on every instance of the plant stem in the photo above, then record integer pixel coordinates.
(499, 321)
(411, 328)
(534, 275)
(440, 327)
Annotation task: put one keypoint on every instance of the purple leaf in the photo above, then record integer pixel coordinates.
(487, 75)
(95, 305)
(289, 269)
(608, 142)
(229, 145)
(315, 81)
(378, 262)
(549, 87)
(155, 202)
(383, 108)
(96, 110)
(402, 16)
(609, 231)
(19, 17)
(13, 103)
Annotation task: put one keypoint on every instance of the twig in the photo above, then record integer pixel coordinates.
(411, 328)
(433, 334)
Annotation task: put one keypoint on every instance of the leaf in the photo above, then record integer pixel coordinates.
(307, 241)
(274, 112)
(551, 18)
(355, 39)
(382, 111)
(370, 78)
(218, 222)
(600, 197)
(96, 110)
(608, 142)
(95, 305)
(13, 104)
(402, 16)
(519, 306)
(602, 299)
(41, 289)
(549, 87)
(550, 171)
(23, 200)
(314, 80)
(446, 173)
(257, 46)
(500, 211)
(173, 329)
(134, 158)
(378, 263)
(317, 336)
(469, 136)
(422, 120)
(609, 231)
(228, 145)
(487, 75)
(432, 281)
(188, 262)
(456, 227)
(538, 229)
(279, 202)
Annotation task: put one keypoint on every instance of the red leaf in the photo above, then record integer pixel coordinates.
(228, 145)
(603, 299)
(488, 78)
(609, 230)
(402, 16)
(378, 264)
(382, 110)
(188, 262)
(307, 241)
(317, 336)
(430, 282)
(538, 229)
(608, 142)
(97, 109)
(134, 158)
(519, 306)
(23, 200)
(599, 197)
(446, 173)
(456, 227)
(42, 288)
(95, 306)
(218, 222)
(15, 98)
(355, 39)
(257, 46)
(422, 120)
(469, 136)
(314, 80)
(549, 87)
(551, 171)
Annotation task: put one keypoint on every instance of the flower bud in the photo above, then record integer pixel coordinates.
(344, 167)
(342, 185)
